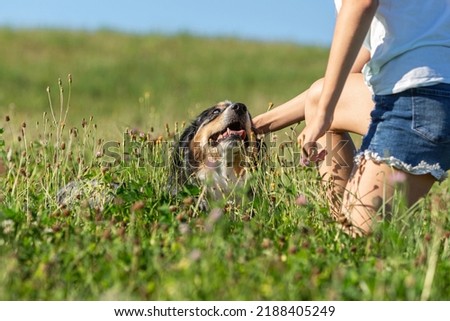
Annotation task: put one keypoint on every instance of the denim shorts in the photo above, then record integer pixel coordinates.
(411, 131)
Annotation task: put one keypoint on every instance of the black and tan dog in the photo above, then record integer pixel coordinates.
(216, 150)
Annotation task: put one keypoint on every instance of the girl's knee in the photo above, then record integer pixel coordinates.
(312, 98)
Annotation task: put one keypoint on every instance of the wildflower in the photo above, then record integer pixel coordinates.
(301, 200)
(184, 228)
(8, 226)
(195, 255)
(213, 217)
(397, 177)
(266, 243)
(48, 230)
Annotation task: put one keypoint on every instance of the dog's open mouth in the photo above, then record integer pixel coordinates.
(233, 131)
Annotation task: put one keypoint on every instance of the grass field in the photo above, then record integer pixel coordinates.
(141, 244)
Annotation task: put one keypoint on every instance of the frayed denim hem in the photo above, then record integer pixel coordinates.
(421, 169)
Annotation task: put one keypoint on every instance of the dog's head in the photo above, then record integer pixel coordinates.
(219, 137)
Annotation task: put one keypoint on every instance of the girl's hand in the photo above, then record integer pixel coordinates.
(307, 139)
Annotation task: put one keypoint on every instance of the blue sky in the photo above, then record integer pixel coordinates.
(299, 21)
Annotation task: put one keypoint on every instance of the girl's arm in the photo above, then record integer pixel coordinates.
(352, 25)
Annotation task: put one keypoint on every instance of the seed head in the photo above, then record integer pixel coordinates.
(139, 205)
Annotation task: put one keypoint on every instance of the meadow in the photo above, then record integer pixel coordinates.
(64, 96)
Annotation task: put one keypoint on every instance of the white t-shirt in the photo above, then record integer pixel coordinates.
(409, 44)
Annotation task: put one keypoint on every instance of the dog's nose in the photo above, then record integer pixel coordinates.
(239, 108)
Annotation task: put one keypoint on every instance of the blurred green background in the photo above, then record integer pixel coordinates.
(139, 81)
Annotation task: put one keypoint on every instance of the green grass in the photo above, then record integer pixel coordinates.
(145, 245)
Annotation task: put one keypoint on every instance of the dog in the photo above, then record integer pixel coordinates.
(216, 151)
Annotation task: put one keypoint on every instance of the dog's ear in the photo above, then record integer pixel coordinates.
(182, 162)
(179, 169)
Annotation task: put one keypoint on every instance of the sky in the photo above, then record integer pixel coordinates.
(307, 22)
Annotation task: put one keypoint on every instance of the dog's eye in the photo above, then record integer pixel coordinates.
(216, 111)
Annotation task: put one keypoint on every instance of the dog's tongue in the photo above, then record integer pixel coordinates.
(241, 133)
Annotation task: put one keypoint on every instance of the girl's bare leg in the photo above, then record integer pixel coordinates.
(352, 115)
(371, 187)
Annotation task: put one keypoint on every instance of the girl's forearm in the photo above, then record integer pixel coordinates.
(352, 25)
(291, 112)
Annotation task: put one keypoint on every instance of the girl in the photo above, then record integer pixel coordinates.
(388, 77)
